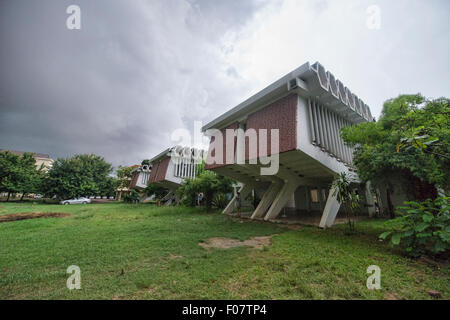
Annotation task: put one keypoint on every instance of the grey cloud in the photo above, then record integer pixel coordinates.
(136, 71)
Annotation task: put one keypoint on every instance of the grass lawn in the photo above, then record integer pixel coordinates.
(144, 252)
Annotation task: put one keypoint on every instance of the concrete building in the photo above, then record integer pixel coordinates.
(172, 166)
(304, 112)
(141, 176)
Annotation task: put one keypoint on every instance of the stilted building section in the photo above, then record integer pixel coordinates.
(172, 166)
(298, 120)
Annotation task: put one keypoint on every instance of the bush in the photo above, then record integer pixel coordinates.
(132, 197)
(220, 201)
(422, 227)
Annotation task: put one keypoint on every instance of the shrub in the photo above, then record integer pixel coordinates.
(422, 227)
(346, 195)
(220, 201)
(131, 197)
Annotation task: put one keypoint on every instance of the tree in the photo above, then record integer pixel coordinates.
(345, 194)
(18, 174)
(29, 178)
(108, 187)
(145, 162)
(208, 183)
(412, 137)
(81, 175)
(9, 173)
(124, 176)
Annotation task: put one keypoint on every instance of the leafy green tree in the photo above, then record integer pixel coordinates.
(18, 174)
(81, 175)
(145, 162)
(412, 137)
(208, 183)
(124, 176)
(9, 173)
(30, 179)
(108, 187)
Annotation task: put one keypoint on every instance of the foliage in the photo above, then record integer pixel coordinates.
(422, 227)
(81, 175)
(412, 135)
(220, 201)
(208, 183)
(131, 197)
(18, 174)
(124, 176)
(347, 197)
(108, 187)
(145, 162)
(157, 190)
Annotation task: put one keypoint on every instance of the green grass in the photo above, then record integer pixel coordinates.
(145, 252)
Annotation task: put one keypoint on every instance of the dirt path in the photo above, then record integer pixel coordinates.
(31, 215)
(225, 243)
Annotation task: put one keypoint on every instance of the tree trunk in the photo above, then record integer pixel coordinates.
(21, 198)
(390, 205)
(9, 194)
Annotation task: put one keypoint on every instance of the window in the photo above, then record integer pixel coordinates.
(314, 196)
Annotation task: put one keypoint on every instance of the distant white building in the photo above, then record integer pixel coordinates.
(41, 159)
(172, 166)
(140, 176)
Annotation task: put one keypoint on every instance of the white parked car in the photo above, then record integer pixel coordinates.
(81, 200)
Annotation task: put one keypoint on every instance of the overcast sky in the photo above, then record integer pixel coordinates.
(139, 70)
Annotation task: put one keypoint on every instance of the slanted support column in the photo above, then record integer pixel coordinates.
(267, 200)
(169, 197)
(244, 191)
(282, 198)
(331, 210)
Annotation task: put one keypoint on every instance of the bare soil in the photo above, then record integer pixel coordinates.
(31, 215)
(224, 243)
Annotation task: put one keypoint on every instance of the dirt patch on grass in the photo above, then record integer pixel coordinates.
(31, 215)
(224, 243)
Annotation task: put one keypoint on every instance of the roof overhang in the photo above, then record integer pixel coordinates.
(308, 81)
(179, 151)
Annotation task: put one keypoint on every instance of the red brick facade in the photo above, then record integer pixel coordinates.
(281, 115)
(159, 170)
(134, 179)
(233, 126)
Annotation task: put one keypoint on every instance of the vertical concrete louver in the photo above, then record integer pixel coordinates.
(325, 126)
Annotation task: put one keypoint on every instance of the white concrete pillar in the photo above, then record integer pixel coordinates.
(240, 144)
(369, 200)
(245, 191)
(267, 200)
(282, 198)
(331, 210)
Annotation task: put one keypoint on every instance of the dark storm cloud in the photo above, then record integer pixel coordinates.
(136, 71)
